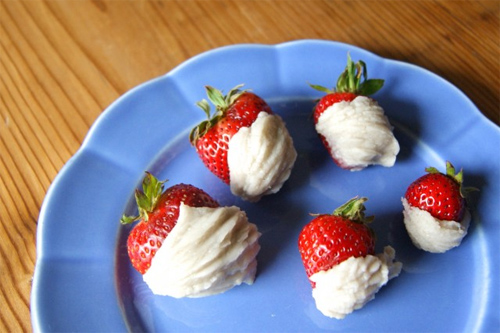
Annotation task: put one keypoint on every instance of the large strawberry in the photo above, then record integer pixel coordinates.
(440, 194)
(261, 161)
(330, 239)
(158, 214)
(352, 126)
(435, 211)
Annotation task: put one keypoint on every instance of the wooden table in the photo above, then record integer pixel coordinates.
(63, 62)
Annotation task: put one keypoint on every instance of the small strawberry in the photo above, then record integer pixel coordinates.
(435, 211)
(329, 240)
(352, 126)
(158, 214)
(263, 155)
(439, 194)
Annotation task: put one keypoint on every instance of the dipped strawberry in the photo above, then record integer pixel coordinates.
(244, 143)
(353, 126)
(435, 211)
(184, 243)
(330, 239)
(338, 253)
(158, 214)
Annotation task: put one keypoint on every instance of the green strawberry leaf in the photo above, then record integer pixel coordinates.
(203, 104)
(362, 69)
(143, 204)
(431, 170)
(216, 97)
(354, 79)
(128, 219)
(370, 87)
(233, 95)
(321, 88)
(354, 210)
(146, 199)
(342, 83)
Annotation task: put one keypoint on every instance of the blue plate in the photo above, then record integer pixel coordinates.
(83, 280)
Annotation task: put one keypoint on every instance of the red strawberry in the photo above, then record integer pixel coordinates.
(211, 137)
(158, 214)
(328, 239)
(440, 194)
(352, 83)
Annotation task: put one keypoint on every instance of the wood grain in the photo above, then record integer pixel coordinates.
(63, 62)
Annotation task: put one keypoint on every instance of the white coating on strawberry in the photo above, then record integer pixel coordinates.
(209, 251)
(260, 157)
(358, 134)
(431, 234)
(351, 284)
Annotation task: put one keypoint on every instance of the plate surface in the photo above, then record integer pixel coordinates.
(84, 282)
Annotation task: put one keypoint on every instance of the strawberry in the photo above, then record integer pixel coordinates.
(330, 239)
(244, 143)
(158, 214)
(354, 131)
(439, 194)
(237, 109)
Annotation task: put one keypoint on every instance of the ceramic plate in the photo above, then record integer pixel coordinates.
(83, 280)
